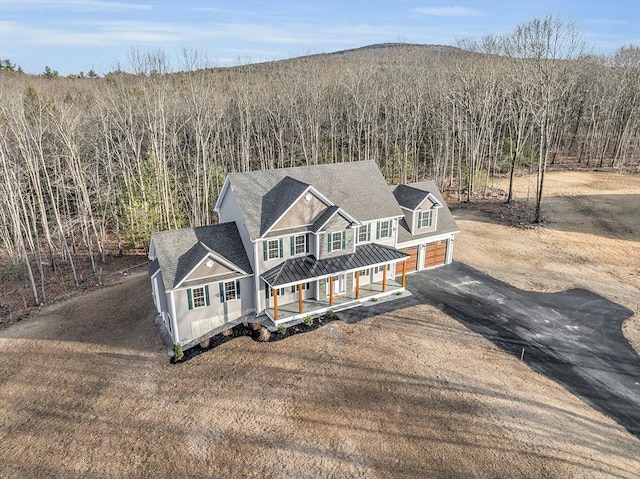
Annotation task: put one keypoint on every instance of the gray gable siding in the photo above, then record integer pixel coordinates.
(304, 211)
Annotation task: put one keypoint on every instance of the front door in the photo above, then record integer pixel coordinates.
(339, 285)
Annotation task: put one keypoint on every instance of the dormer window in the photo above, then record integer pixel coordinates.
(425, 219)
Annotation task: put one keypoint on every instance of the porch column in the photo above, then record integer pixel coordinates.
(275, 304)
(357, 284)
(384, 278)
(330, 290)
(404, 274)
(300, 298)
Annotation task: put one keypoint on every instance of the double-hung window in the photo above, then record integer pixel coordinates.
(298, 245)
(384, 229)
(380, 269)
(294, 288)
(198, 297)
(272, 249)
(229, 290)
(336, 241)
(364, 233)
(268, 292)
(425, 219)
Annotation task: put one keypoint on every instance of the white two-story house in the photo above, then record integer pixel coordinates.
(296, 242)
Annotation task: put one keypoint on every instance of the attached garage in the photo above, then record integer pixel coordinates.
(412, 260)
(436, 254)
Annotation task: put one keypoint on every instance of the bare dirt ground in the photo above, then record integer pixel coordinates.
(86, 389)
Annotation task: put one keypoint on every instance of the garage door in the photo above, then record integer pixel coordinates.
(412, 260)
(436, 254)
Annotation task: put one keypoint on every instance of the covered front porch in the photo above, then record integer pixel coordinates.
(290, 311)
(335, 282)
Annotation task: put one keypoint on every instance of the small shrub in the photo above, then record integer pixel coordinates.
(177, 352)
(256, 325)
(330, 315)
(204, 343)
(308, 321)
(282, 329)
(12, 269)
(265, 334)
(227, 331)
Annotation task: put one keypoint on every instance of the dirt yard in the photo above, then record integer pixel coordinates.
(86, 389)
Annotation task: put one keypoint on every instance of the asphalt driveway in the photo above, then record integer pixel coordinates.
(573, 337)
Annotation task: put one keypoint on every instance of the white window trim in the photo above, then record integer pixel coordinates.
(199, 289)
(269, 249)
(425, 214)
(305, 287)
(389, 224)
(198, 297)
(235, 290)
(281, 291)
(304, 245)
(366, 228)
(332, 241)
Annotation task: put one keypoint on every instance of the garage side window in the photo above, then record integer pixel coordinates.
(198, 297)
(229, 290)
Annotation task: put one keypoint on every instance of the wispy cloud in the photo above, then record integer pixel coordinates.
(101, 34)
(124, 32)
(75, 5)
(448, 11)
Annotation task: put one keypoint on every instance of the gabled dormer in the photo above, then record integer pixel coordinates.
(335, 229)
(420, 208)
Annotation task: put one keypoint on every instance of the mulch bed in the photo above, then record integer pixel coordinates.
(242, 330)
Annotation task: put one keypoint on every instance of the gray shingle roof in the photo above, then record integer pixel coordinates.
(409, 196)
(445, 223)
(298, 270)
(357, 187)
(179, 251)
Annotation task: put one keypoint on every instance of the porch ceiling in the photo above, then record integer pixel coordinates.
(300, 270)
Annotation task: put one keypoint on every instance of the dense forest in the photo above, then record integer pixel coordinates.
(90, 166)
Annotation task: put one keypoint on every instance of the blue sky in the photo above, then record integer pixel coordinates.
(75, 35)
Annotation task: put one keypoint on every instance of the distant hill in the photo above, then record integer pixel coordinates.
(386, 52)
